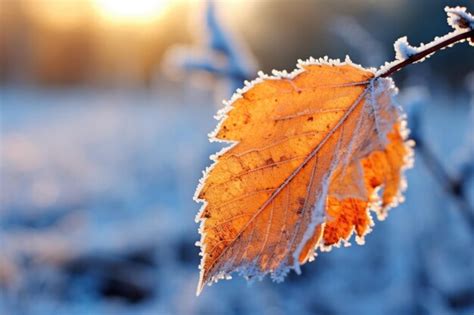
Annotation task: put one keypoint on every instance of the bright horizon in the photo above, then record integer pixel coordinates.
(126, 11)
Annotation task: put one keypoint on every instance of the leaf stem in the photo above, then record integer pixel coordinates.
(430, 49)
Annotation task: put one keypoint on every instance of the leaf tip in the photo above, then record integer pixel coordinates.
(200, 286)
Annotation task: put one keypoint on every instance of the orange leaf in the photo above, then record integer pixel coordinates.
(310, 152)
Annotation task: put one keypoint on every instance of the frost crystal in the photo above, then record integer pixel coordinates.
(459, 19)
(403, 50)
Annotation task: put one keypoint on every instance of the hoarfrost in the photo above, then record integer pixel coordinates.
(459, 18)
(403, 50)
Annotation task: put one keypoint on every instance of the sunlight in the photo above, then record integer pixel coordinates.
(131, 11)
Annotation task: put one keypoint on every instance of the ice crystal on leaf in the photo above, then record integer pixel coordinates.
(302, 176)
(311, 154)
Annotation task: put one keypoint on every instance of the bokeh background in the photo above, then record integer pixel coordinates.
(105, 110)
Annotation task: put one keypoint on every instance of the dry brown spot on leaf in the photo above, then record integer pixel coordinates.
(380, 169)
(383, 167)
(343, 217)
(301, 169)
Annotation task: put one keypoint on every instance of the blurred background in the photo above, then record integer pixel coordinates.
(105, 110)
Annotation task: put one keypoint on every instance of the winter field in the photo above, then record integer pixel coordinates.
(97, 216)
(103, 139)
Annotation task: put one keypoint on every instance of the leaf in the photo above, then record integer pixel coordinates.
(311, 152)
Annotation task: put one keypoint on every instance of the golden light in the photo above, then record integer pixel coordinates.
(58, 14)
(131, 11)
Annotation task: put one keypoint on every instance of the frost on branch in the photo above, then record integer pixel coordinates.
(463, 24)
(221, 54)
(302, 177)
(459, 18)
(403, 50)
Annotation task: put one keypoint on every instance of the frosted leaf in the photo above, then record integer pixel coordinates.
(300, 177)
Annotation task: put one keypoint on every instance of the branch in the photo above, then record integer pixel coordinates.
(425, 51)
(449, 183)
(452, 185)
(463, 23)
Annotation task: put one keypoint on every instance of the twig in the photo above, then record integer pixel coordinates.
(430, 49)
(448, 182)
(451, 184)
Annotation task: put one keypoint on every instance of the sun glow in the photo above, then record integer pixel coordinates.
(131, 11)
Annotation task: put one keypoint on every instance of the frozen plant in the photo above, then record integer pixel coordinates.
(220, 53)
(310, 155)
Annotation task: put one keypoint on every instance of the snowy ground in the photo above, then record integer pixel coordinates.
(97, 217)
